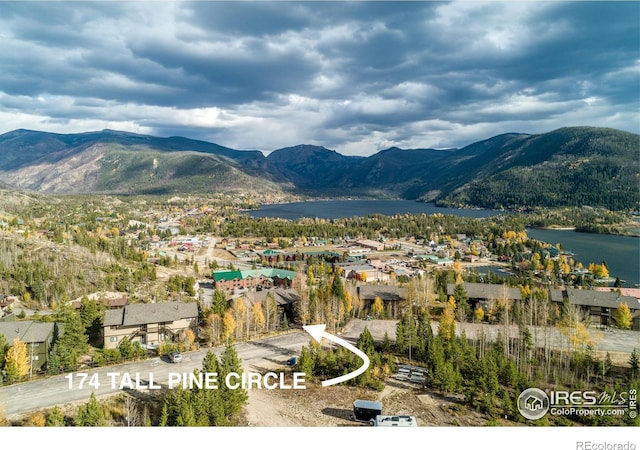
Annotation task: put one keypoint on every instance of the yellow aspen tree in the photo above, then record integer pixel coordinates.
(239, 313)
(258, 318)
(377, 308)
(3, 419)
(310, 278)
(36, 419)
(580, 337)
(623, 317)
(17, 360)
(535, 261)
(478, 314)
(348, 303)
(228, 325)
(447, 327)
(190, 339)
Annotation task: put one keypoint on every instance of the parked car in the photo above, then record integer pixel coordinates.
(292, 361)
(175, 357)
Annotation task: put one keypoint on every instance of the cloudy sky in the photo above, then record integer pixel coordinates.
(355, 77)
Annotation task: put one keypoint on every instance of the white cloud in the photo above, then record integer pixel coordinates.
(355, 77)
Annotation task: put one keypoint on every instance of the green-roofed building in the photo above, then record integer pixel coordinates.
(227, 275)
(231, 280)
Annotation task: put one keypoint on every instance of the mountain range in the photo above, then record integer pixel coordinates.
(571, 166)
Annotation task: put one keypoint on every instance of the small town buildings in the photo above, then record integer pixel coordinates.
(6, 304)
(371, 244)
(434, 259)
(37, 335)
(149, 323)
(109, 302)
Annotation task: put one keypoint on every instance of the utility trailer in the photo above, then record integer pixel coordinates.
(366, 411)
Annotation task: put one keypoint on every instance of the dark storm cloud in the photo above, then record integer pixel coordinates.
(353, 76)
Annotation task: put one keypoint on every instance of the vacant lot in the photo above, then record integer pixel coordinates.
(331, 406)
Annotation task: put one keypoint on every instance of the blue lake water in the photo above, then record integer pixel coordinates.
(337, 209)
(621, 253)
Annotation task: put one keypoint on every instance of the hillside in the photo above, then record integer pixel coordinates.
(116, 162)
(568, 167)
(574, 166)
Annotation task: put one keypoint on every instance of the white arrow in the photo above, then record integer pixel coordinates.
(317, 332)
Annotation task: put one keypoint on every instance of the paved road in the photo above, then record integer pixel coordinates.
(612, 340)
(264, 355)
(256, 356)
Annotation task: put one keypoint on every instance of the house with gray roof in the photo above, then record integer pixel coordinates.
(287, 301)
(600, 306)
(485, 295)
(37, 335)
(149, 323)
(484, 292)
(394, 298)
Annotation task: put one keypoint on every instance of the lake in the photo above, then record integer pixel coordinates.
(621, 253)
(338, 209)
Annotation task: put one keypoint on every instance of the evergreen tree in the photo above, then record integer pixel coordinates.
(462, 300)
(4, 346)
(126, 348)
(406, 334)
(91, 316)
(164, 414)
(424, 334)
(69, 346)
(366, 343)
(185, 415)
(232, 399)
(337, 289)
(54, 363)
(219, 302)
(386, 346)
(55, 418)
(634, 365)
(90, 414)
(306, 362)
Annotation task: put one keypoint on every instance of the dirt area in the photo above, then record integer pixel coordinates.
(332, 406)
